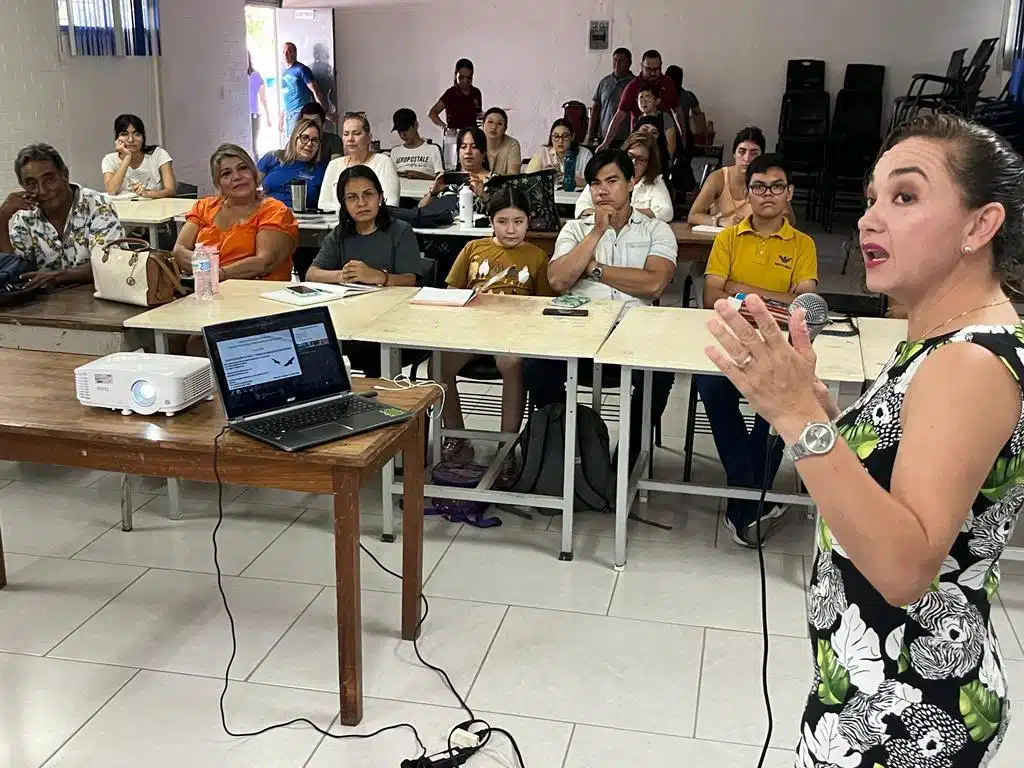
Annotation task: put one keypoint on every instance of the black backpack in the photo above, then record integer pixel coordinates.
(543, 447)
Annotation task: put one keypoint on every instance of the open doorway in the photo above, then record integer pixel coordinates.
(264, 80)
(312, 33)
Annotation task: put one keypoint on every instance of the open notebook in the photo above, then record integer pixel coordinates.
(309, 294)
(458, 297)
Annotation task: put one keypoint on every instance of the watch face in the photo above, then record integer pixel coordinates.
(818, 438)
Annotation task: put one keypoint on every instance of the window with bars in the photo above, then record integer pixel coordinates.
(109, 27)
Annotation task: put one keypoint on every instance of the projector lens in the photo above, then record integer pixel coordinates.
(144, 394)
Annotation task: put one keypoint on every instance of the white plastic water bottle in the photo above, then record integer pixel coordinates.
(214, 253)
(201, 272)
(466, 206)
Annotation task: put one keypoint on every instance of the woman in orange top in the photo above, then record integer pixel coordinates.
(255, 235)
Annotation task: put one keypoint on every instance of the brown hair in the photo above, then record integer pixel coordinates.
(986, 169)
(225, 151)
(645, 140)
(289, 153)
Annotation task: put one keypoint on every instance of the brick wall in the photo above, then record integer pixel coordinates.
(205, 86)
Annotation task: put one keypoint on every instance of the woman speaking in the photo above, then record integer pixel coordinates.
(918, 498)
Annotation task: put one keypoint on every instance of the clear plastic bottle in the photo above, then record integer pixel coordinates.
(214, 252)
(202, 273)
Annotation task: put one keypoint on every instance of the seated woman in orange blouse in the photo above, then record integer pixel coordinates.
(255, 235)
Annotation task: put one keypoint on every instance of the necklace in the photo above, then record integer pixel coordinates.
(962, 314)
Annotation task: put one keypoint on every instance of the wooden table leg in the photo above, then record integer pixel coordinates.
(350, 618)
(412, 529)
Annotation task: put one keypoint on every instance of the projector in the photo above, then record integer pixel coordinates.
(137, 382)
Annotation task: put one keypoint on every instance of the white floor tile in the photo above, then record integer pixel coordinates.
(168, 721)
(731, 701)
(45, 701)
(521, 567)
(189, 489)
(1011, 594)
(541, 742)
(305, 552)
(1011, 752)
(47, 598)
(55, 519)
(710, 588)
(175, 621)
(606, 748)
(1009, 642)
(279, 498)
(689, 519)
(186, 544)
(455, 636)
(49, 474)
(593, 669)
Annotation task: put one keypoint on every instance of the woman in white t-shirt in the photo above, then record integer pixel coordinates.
(650, 194)
(135, 166)
(355, 135)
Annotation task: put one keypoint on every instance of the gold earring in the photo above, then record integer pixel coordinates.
(966, 250)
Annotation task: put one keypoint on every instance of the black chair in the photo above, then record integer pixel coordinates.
(189, 191)
(918, 83)
(864, 77)
(852, 147)
(805, 75)
(804, 114)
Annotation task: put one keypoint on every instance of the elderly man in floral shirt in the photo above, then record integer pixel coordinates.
(54, 224)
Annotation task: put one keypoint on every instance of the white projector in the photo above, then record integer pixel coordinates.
(137, 382)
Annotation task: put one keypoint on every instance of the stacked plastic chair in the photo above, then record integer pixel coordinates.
(803, 127)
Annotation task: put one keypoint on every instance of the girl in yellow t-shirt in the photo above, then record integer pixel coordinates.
(479, 261)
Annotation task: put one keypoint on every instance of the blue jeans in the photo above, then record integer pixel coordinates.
(743, 453)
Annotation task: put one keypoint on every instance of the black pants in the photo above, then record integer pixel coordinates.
(365, 357)
(302, 259)
(545, 383)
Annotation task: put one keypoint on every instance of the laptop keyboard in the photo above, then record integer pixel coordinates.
(313, 416)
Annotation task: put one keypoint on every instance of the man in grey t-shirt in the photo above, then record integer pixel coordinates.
(607, 96)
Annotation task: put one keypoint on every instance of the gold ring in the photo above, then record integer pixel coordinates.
(744, 363)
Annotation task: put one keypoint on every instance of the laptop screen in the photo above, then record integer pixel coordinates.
(269, 362)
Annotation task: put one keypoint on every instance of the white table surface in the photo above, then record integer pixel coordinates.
(878, 339)
(149, 212)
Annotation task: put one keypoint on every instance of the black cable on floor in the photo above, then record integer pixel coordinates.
(770, 445)
(455, 756)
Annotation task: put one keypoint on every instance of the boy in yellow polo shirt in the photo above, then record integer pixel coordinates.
(763, 254)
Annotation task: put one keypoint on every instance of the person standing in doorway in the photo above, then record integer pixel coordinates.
(257, 98)
(298, 88)
(462, 103)
(607, 97)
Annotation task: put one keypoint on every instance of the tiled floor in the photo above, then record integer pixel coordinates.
(113, 645)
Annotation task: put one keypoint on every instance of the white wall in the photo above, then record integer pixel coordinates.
(205, 86)
(70, 102)
(531, 55)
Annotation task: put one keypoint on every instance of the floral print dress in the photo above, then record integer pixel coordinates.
(921, 686)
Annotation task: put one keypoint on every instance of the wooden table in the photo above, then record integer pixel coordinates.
(72, 321)
(674, 340)
(152, 213)
(878, 339)
(240, 300)
(41, 421)
(496, 325)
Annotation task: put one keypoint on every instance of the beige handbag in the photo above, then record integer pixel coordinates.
(130, 271)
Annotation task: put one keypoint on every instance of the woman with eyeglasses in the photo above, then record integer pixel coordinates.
(368, 247)
(134, 166)
(357, 138)
(722, 201)
(299, 161)
(503, 152)
(472, 146)
(563, 153)
(650, 195)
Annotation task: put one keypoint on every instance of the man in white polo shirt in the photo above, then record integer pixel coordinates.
(613, 253)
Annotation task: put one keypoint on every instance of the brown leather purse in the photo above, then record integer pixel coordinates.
(130, 271)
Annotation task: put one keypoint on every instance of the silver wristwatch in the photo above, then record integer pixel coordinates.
(596, 273)
(817, 439)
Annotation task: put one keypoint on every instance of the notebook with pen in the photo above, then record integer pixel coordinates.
(458, 297)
